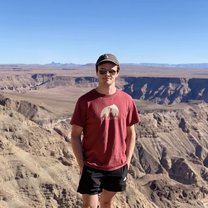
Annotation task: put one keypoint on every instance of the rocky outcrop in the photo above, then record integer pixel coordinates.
(170, 160)
(159, 90)
(167, 90)
(38, 168)
(42, 80)
(169, 166)
(29, 110)
(39, 114)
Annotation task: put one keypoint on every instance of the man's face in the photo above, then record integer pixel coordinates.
(107, 73)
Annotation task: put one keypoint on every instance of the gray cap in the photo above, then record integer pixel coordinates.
(107, 58)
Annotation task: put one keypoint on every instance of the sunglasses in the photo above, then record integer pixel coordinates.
(105, 71)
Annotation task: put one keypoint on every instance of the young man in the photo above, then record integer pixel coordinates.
(103, 136)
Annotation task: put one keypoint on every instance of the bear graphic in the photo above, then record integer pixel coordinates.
(110, 111)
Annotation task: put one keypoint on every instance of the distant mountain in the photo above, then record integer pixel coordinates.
(193, 65)
(78, 66)
(68, 65)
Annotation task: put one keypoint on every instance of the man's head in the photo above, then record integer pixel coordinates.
(107, 58)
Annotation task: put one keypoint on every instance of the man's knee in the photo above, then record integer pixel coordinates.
(106, 204)
(90, 201)
(89, 206)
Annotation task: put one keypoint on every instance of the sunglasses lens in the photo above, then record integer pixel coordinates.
(112, 72)
(104, 71)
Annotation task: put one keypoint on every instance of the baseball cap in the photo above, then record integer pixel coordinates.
(108, 57)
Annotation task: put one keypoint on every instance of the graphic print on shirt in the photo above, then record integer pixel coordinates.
(110, 112)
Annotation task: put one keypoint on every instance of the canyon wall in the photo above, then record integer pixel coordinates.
(156, 89)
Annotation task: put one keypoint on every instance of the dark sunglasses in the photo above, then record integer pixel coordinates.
(105, 71)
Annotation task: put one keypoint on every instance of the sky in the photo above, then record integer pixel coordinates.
(78, 31)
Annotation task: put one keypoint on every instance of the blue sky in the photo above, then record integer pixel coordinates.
(78, 31)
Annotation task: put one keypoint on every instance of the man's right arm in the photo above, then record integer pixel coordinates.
(77, 144)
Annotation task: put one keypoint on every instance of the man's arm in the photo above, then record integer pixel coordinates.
(77, 144)
(130, 143)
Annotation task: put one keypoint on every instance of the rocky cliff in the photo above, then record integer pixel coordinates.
(38, 114)
(170, 163)
(170, 160)
(38, 169)
(157, 89)
(169, 167)
(36, 166)
(167, 90)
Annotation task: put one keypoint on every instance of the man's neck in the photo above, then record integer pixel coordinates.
(106, 90)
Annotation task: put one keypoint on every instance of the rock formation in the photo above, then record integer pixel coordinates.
(160, 90)
(169, 166)
(170, 163)
(37, 167)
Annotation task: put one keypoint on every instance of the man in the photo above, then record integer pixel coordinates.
(106, 117)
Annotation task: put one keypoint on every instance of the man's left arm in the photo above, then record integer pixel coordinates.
(130, 143)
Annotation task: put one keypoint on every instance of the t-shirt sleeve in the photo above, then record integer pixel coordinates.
(79, 115)
(133, 116)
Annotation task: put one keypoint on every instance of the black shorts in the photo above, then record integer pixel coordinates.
(93, 181)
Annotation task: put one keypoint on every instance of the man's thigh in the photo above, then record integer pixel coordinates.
(115, 181)
(90, 181)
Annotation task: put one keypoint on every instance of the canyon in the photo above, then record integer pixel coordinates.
(169, 167)
(161, 90)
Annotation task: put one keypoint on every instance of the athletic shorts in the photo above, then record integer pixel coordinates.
(93, 181)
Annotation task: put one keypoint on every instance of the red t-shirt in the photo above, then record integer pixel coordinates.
(104, 119)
